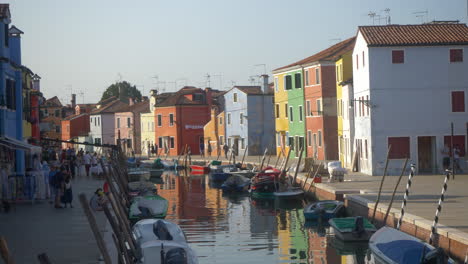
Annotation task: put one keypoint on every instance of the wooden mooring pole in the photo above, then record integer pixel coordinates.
(297, 167)
(405, 197)
(381, 184)
(394, 191)
(5, 252)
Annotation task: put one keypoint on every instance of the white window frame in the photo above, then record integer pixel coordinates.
(171, 123)
(235, 98)
(276, 84)
(306, 76)
(317, 75)
(229, 119)
(319, 107)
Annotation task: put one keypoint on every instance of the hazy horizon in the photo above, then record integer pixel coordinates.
(88, 45)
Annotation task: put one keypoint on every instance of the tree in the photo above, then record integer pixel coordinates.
(123, 87)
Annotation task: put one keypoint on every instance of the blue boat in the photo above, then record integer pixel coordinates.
(221, 172)
(325, 210)
(391, 246)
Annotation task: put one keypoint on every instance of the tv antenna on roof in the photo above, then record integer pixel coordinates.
(81, 93)
(264, 67)
(422, 15)
(387, 16)
(207, 80)
(156, 78)
(372, 15)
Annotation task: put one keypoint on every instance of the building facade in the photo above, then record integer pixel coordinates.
(281, 115)
(409, 86)
(128, 126)
(214, 132)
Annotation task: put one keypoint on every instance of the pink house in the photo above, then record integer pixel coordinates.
(127, 126)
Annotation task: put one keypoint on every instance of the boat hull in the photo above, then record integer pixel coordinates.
(198, 169)
(325, 210)
(343, 229)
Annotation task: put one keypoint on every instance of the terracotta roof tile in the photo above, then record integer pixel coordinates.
(179, 98)
(330, 54)
(415, 35)
(112, 107)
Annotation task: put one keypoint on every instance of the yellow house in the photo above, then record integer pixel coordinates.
(344, 75)
(213, 132)
(281, 115)
(148, 137)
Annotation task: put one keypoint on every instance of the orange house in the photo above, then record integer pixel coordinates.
(75, 126)
(180, 118)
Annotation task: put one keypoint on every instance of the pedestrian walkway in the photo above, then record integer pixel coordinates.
(64, 234)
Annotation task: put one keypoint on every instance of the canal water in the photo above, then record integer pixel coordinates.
(225, 228)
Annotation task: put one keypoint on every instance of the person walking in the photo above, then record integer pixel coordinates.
(446, 157)
(58, 185)
(209, 149)
(67, 197)
(226, 150)
(87, 161)
(456, 159)
(202, 149)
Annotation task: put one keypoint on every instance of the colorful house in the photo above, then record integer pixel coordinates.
(345, 112)
(281, 115)
(292, 84)
(75, 126)
(180, 118)
(409, 86)
(250, 119)
(214, 132)
(148, 138)
(128, 126)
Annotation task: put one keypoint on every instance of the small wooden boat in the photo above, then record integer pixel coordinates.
(221, 172)
(352, 228)
(171, 165)
(141, 187)
(391, 246)
(245, 173)
(160, 241)
(149, 206)
(324, 209)
(138, 175)
(264, 184)
(156, 173)
(199, 169)
(290, 193)
(236, 183)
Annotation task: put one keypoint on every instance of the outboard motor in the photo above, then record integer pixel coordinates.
(359, 226)
(176, 256)
(435, 256)
(160, 230)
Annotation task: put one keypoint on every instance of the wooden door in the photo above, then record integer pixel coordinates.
(425, 155)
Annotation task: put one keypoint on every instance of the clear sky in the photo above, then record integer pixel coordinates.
(86, 45)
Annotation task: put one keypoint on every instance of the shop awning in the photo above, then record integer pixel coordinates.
(18, 144)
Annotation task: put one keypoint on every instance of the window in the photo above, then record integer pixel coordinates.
(159, 120)
(300, 113)
(160, 142)
(242, 143)
(317, 76)
(118, 122)
(315, 140)
(458, 141)
(301, 143)
(221, 140)
(97, 141)
(57, 113)
(365, 149)
(398, 56)
(220, 120)
(128, 121)
(309, 138)
(235, 98)
(129, 143)
(57, 129)
(400, 147)
(229, 118)
(11, 93)
(276, 84)
(172, 142)
(456, 55)
(288, 82)
(286, 110)
(458, 101)
(91, 120)
(319, 106)
(277, 111)
(171, 119)
(95, 121)
(357, 62)
(363, 60)
(291, 143)
(99, 120)
(291, 116)
(278, 139)
(319, 138)
(241, 118)
(6, 34)
(362, 105)
(297, 80)
(307, 77)
(308, 112)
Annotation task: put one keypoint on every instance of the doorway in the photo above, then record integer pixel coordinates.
(426, 154)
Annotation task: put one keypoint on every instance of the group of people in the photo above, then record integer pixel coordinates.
(209, 150)
(446, 157)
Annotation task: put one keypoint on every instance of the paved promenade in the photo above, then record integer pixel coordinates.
(64, 234)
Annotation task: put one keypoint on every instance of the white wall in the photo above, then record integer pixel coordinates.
(410, 99)
(348, 123)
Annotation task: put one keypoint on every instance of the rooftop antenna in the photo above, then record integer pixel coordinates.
(422, 15)
(81, 93)
(220, 79)
(156, 78)
(372, 15)
(233, 83)
(184, 80)
(264, 67)
(387, 16)
(207, 80)
(252, 79)
(119, 77)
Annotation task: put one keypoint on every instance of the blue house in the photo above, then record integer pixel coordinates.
(12, 146)
(249, 117)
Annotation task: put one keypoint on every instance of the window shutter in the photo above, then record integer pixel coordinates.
(458, 101)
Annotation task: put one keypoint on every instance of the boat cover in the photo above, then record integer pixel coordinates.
(347, 224)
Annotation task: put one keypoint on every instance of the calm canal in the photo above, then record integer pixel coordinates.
(237, 229)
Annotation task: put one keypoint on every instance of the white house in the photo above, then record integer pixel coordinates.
(348, 122)
(410, 84)
(102, 124)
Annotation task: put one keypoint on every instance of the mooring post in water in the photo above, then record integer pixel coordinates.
(381, 184)
(95, 229)
(405, 198)
(243, 156)
(5, 252)
(315, 175)
(394, 190)
(263, 159)
(298, 165)
(439, 207)
(311, 169)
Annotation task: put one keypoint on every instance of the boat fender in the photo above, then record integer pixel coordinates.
(435, 256)
(161, 231)
(359, 226)
(176, 256)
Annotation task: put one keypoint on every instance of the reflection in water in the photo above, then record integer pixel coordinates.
(233, 228)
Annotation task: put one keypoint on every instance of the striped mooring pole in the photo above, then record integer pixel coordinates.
(466, 257)
(439, 207)
(405, 198)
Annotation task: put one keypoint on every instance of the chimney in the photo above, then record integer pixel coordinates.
(209, 96)
(36, 83)
(77, 110)
(153, 97)
(131, 101)
(73, 101)
(15, 44)
(265, 87)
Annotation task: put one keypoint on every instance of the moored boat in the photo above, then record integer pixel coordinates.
(352, 228)
(290, 193)
(324, 209)
(236, 183)
(245, 173)
(201, 169)
(391, 246)
(221, 172)
(160, 241)
(148, 206)
(138, 175)
(264, 183)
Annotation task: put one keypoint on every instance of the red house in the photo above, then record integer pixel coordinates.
(180, 118)
(74, 126)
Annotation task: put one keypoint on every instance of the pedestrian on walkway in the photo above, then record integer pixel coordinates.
(67, 197)
(456, 159)
(98, 200)
(58, 185)
(87, 161)
(226, 150)
(209, 149)
(446, 157)
(202, 149)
